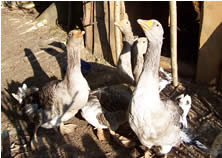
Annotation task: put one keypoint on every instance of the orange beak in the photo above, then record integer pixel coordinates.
(78, 33)
(145, 24)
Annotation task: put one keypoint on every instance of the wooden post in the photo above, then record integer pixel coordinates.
(87, 24)
(117, 31)
(112, 31)
(173, 41)
(101, 34)
(6, 144)
(123, 13)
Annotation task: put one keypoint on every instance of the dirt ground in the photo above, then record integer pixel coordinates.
(36, 56)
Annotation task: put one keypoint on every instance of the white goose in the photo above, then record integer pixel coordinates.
(107, 108)
(155, 122)
(60, 100)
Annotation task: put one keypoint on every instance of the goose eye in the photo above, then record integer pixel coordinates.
(157, 25)
(127, 22)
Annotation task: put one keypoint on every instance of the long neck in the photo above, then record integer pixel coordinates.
(128, 37)
(73, 61)
(127, 43)
(150, 74)
(152, 59)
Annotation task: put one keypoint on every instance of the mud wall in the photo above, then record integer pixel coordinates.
(209, 67)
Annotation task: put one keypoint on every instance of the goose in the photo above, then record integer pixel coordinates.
(156, 122)
(61, 100)
(131, 59)
(107, 108)
(124, 66)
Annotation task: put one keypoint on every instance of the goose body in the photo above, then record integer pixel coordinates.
(154, 121)
(91, 111)
(107, 107)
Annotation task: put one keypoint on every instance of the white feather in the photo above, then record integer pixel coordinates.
(185, 104)
(24, 87)
(164, 82)
(20, 90)
(17, 97)
(90, 111)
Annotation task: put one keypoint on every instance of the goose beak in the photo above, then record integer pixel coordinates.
(78, 34)
(145, 24)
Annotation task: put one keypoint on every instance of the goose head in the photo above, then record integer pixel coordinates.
(75, 38)
(152, 29)
(125, 26)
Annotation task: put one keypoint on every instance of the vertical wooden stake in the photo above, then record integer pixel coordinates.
(173, 41)
(87, 21)
(117, 31)
(112, 31)
(6, 144)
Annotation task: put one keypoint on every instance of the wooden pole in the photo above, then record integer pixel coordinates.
(112, 31)
(87, 24)
(117, 31)
(6, 144)
(173, 41)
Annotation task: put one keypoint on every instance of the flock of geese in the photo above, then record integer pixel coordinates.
(155, 122)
